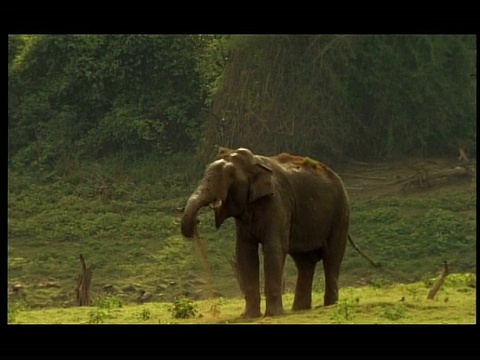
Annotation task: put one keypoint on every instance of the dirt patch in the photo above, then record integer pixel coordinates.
(370, 181)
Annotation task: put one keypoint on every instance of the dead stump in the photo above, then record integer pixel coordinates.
(438, 284)
(82, 290)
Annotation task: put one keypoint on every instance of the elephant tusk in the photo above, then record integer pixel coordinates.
(216, 204)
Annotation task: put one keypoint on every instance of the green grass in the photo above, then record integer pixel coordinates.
(412, 235)
(122, 218)
(454, 304)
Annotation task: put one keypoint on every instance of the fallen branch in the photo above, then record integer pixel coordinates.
(438, 284)
(424, 177)
(363, 177)
(82, 291)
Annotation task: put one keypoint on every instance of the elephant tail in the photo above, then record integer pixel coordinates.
(374, 264)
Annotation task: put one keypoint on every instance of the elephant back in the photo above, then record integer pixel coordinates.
(297, 163)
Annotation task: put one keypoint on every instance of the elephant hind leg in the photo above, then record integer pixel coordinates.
(332, 261)
(305, 263)
(331, 289)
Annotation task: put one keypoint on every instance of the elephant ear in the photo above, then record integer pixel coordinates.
(262, 182)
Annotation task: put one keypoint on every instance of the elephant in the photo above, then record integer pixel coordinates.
(290, 205)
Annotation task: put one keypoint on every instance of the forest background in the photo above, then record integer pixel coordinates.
(333, 97)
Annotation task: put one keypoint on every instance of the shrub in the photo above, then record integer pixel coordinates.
(343, 311)
(107, 302)
(145, 314)
(460, 280)
(98, 316)
(394, 312)
(183, 308)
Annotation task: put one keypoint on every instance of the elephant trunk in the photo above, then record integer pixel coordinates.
(200, 198)
(212, 191)
(189, 219)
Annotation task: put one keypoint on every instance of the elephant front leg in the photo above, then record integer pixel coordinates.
(274, 260)
(305, 264)
(248, 271)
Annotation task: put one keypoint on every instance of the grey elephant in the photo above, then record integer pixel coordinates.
(288, 204)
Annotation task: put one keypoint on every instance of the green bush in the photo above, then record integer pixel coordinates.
(183, 308)
(98, 316)
(380, 282)
(459, 280)
(107, 302)
(394, 312)
(145, 314)
(88, 96)
(344, 311)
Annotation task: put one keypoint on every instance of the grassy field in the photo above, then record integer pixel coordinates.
(123, 219)
(397, 304)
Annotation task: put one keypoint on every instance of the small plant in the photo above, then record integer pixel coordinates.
(107, 302)
(394, 312)
(145, 314)
(98, 316)
(14, 308)
(380, 282)
(215, 308)
(103, 304)
(415, 292)
(428, 279)
(183, 308)
(343, 311)
(12, 315)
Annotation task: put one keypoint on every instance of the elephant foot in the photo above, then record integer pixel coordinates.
(298, 307)
(330, 301)
(252, 307)
(250, 314)
(274, 312)
(302, 301)
(330, 296)
(274, 306)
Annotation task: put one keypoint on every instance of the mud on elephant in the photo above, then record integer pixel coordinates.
(288, 204)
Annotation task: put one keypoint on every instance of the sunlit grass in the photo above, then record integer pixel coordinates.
(398, 304)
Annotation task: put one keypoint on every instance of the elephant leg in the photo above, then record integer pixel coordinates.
(274, 261)
(305, 264)
(332, 261)
(248, 270)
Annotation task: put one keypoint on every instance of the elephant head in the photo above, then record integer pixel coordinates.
(234, 179)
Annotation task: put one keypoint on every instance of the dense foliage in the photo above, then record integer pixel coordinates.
(93, 96)
(348, 96)
(328, 96)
